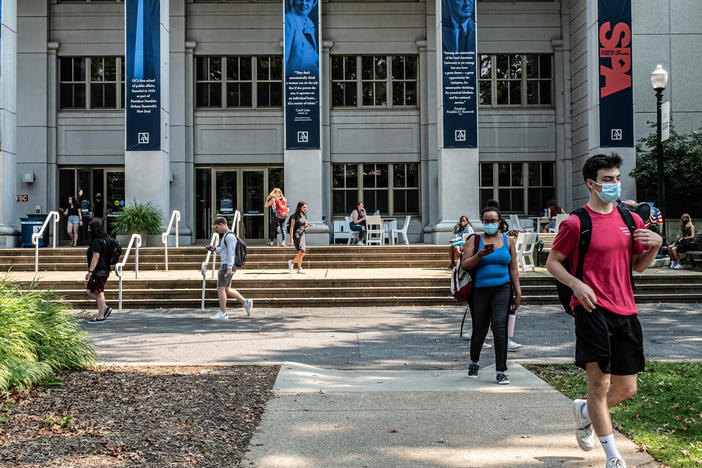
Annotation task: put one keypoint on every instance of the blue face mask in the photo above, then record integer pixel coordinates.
(490, 229)
(610, 192)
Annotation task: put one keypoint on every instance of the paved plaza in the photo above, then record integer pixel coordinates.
(371, 387)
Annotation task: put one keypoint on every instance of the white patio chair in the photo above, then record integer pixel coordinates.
(559, 220)
(374, 231)
(402, 231)
(514, 221)
(353, 235)
(525, 245)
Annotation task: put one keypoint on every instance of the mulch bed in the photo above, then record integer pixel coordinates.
(136, 416)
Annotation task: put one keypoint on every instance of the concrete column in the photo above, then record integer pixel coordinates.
(458, 168)
(182, 196)
(147, 173)
(303, 181)
(562, 96)
(8, 124)
(51, 130)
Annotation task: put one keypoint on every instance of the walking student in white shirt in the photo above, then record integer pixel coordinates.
(227, 250)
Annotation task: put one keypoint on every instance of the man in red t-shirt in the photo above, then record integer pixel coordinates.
(609, 340)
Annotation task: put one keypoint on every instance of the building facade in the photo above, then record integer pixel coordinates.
(62, 102)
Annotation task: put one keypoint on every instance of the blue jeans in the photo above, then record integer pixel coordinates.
(361, 228)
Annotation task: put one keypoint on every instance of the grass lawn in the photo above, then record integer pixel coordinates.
(664, 417)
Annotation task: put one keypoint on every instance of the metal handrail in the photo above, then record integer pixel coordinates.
(164, 237)
(120, 266)
(35, 237)
(214, 242)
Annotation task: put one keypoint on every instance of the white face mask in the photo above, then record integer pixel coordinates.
(610, 192)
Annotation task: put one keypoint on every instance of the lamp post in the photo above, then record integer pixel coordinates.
(659, 78)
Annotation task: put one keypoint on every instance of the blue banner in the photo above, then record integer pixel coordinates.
(459, 68)
(143, 75)
(616, 92)
(302, 73)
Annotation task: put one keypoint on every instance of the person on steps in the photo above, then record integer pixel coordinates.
(227, 251)
(98, 270)
(297, 226)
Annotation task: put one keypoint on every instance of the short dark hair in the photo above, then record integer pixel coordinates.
(494, 203)
(600, 161)
(220, 220)
(491, 208)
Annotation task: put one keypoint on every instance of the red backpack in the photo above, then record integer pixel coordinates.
(281, 208)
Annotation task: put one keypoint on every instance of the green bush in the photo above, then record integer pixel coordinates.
(37, 337)
(682, 166)
(142, 218)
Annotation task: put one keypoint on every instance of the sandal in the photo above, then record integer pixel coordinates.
(108, 312)
(96, 320)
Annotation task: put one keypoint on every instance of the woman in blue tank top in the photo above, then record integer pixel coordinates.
(494, 268)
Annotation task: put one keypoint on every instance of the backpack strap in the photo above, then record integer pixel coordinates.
(631, 224)
(583, 239)
(224, 239)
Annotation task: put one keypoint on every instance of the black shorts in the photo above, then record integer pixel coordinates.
(614, 342)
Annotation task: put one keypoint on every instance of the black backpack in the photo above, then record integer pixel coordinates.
(564, 292)
(113, 250)
(239, 250)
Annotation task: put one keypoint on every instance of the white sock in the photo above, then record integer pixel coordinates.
(610, 447)
(583, 413)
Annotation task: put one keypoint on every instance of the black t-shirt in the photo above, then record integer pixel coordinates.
(98, 245)
(72, 210)
(300, 222)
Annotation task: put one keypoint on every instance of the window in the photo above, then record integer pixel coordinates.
(392, 189)
(239, 81)
(385, 81)
(91, 82)
(521, 187)
(516, 80)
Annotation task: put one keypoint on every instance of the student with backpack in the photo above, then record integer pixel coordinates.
(492, 260)
(233, 254)
(279, 213)
(600, 245)
(99, 261)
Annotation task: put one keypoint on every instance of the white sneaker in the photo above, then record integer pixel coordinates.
(248, 305)
(360, 243)
(672, 264)
(678, 266)
(220, 316)
(584, 432)
(301, 272)
(290, 265)
(512, 345)
(616, 463)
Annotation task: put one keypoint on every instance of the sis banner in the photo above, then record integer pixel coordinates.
(143, 74)
(302, 72)
(459, 68)
(616, 93)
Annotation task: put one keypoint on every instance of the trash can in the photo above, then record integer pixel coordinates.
(29, 227)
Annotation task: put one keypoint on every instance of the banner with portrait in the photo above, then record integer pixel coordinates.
(143, 75)
(459, 68)
(302, 74)
(616, 92)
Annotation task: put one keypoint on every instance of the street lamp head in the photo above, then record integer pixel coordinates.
(659, 78)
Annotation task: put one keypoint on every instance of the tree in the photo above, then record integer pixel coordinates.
(682, 169)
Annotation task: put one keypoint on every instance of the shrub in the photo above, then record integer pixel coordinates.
(38, 337)
(682, 166)
(142, 218)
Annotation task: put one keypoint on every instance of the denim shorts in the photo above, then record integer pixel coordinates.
(222, 280)
(73, 219)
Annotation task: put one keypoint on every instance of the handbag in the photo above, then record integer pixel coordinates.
(462, 280)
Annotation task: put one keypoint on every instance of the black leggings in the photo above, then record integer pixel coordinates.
(273, 230)
(489, 307)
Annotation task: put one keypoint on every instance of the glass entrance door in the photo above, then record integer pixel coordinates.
(253, 212)
(114, 195)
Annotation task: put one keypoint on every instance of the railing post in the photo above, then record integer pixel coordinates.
(204, 280)
(56, 219)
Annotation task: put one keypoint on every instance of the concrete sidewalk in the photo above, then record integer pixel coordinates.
(415, 418)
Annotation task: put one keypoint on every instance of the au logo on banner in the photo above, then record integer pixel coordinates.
(616, 93)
